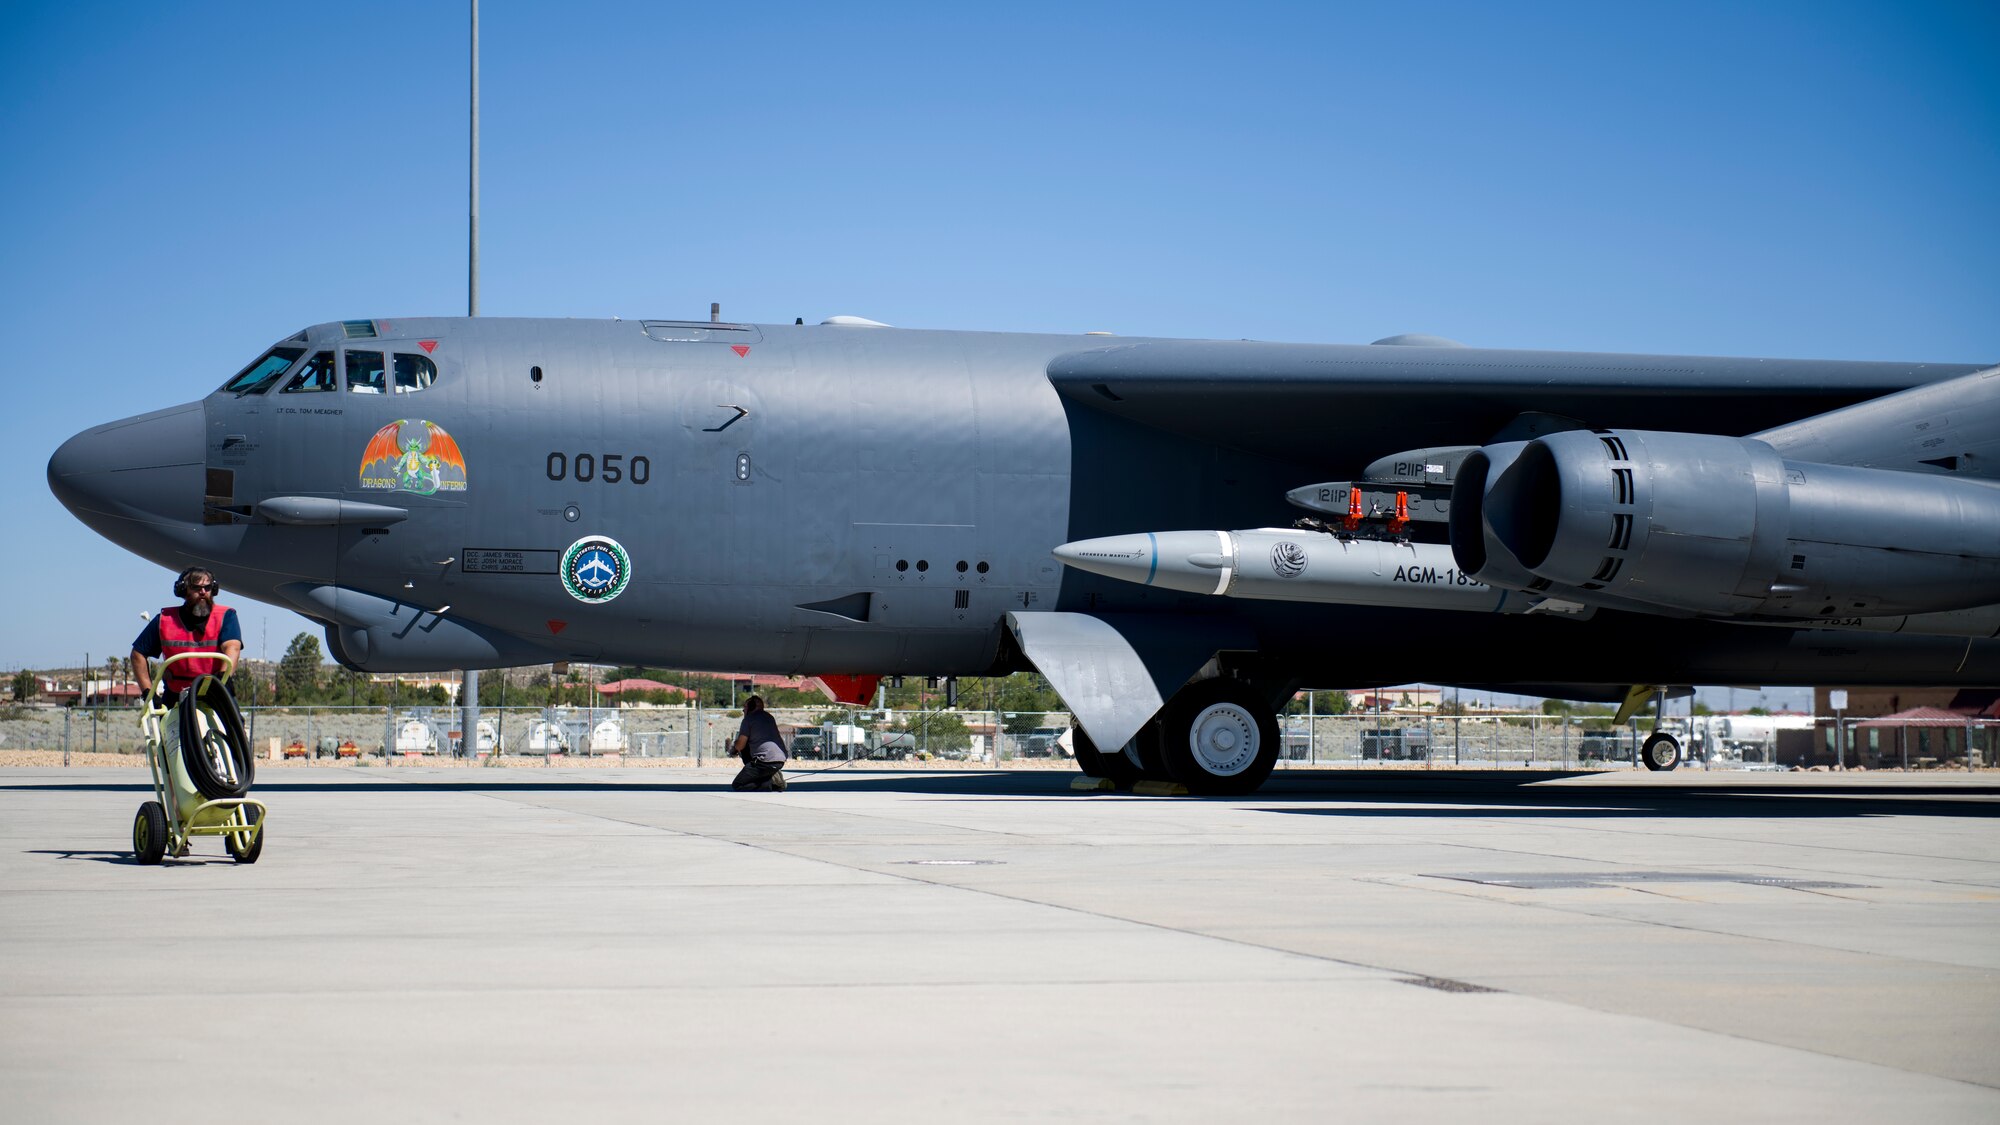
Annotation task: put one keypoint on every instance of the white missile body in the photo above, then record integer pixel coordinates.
(1282, 564)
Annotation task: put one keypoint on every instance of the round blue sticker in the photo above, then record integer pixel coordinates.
(595, 569)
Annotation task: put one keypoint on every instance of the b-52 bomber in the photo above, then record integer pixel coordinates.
(1179, 534)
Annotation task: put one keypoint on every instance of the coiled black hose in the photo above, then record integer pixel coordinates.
(209, 748)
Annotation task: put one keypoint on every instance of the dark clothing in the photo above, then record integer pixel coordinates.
(763, 754)
(760, 729)
(760, 777)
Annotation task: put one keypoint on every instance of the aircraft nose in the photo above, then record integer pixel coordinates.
(147, 468)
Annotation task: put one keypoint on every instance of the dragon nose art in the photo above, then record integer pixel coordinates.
(146, 469)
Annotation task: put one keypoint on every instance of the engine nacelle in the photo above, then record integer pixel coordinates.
(370, 633)
(1721, 526)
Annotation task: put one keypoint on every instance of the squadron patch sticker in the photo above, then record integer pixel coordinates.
(413, 456)
(1288, 560)
(595, 569)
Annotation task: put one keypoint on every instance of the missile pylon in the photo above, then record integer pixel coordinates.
(1282, 564)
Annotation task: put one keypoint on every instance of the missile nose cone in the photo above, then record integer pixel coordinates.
(1119, 551)
(146, 468)
(1152, 558)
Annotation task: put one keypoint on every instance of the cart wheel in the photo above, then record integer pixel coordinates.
(241, 854)
(149, 833)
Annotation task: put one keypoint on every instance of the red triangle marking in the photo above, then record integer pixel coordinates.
(557, 626)
(740, 349)
(428, 345)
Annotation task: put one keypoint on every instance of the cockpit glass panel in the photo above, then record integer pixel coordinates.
(365, 373)
(260, 375)
(414, 373)
(317, 375)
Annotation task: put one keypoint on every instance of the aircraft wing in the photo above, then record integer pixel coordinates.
(1277, 400)
(1624, 482)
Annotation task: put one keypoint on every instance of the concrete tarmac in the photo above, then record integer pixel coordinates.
(625, 945)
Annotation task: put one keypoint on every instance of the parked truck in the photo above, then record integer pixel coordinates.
(1396, 744)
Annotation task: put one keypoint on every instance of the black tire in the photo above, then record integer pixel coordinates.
(1660, 752)
(249, 815)
(202, 751)
(149, 833)
(1220, 738)
(1118, 767)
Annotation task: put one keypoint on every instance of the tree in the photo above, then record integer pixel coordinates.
(936, 731)
(25, 687)
(298, 672)
(352, 687)
(1024, 699)
(1320, 702)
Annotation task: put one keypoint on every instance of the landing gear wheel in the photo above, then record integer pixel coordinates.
(149, 833)
(1220, 738)
(1118, 767)
(245, 815)
(1660, 752)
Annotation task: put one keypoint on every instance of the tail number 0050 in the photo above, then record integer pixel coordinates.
(611, 468)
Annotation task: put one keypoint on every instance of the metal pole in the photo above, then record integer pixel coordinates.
(66, 716)
(469, 724)
(472, 230)
(469, 705)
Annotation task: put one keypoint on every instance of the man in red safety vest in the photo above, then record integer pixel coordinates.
(195, 625)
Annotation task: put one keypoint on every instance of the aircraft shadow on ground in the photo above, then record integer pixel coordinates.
(1359, 794)
(1682, 805)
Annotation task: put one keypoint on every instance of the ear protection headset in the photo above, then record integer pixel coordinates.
(181, 582)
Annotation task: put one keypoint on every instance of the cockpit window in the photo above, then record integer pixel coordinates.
(364, 373)
(260, 375)
(414, 373)
(316, 375)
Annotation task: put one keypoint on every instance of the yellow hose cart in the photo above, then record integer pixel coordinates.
(202, 769)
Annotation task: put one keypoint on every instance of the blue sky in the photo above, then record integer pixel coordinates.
(188, 183)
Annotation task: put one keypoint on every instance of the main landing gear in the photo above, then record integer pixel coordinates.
(1661, 751)
(1218, 737)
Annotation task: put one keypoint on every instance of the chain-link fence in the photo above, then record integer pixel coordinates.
(700, 735)
(697, 734)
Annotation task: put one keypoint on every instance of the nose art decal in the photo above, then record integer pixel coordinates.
(413, 456)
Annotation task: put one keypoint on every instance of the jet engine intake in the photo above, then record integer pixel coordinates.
(1720, 526)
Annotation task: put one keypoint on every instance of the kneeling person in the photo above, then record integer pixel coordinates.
(762, 749)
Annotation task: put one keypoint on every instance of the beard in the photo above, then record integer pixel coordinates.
(200, 608)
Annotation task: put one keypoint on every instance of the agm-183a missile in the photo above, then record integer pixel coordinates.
(1282, 564)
